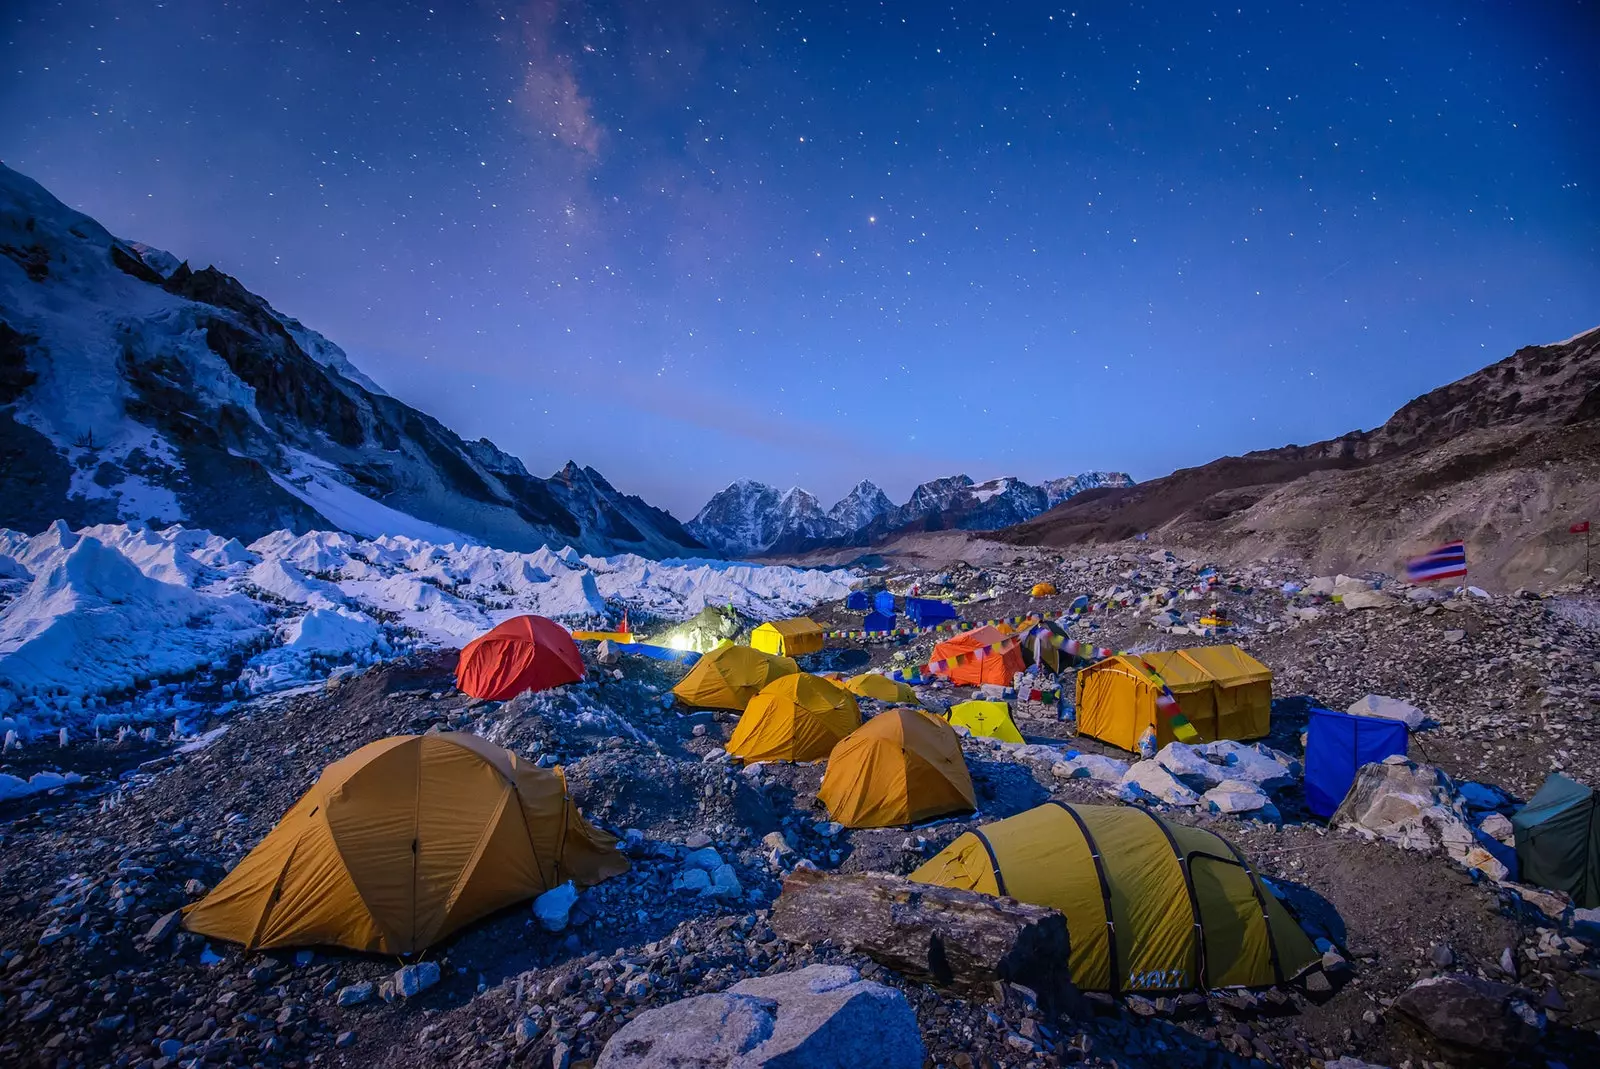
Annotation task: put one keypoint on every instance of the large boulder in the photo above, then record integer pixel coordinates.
(1189, 767)
(1367, 599)
(1149, 781)
(819, 1017)
(1414, 806)
(1388, 709)
(1234, 797)
(1093, 766)
(1471, 1015)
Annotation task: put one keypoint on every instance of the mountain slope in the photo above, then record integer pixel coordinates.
(136, 388)
(1506, 458)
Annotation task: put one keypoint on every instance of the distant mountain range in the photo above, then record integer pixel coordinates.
(750, 517)
(1506, 459)
(133, 387)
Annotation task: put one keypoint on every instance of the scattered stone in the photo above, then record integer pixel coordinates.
(1388, 709)
(554, 907)
(412, 980)
(355, 994)
(1472, 1015)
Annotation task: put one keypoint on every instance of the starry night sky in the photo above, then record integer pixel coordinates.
(696, 240)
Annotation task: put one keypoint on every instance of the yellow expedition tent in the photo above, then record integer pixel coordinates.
(881, 687)
(729, 676)
(1150, 905)
(401, 843)
(1042, 590)
(1222, 690)
(799, 717)
(901, 767)
(788, 638)
(989, 719)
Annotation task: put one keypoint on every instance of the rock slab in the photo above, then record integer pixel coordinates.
(1472, 1014)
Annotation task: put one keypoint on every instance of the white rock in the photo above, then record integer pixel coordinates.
(1188, 766)
(1254, 762)
(1367, 599)
(1147, 779)
(696, 881)
(706, 857)
(1376, 705)
(1498, 827)
(412, 980)
(724, 883)
(554, 906)
(1093, 766)
(1235, 796)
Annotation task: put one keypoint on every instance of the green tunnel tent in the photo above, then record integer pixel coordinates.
(1558, 840)
(1151, 905)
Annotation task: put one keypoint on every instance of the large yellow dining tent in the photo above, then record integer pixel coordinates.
(1151, 905)
(1222, 690)
(788, 638)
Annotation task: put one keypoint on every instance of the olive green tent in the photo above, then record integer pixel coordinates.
(1558, 840)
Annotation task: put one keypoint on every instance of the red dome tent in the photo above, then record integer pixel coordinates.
(524, 653)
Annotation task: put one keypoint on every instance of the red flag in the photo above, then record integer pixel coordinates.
(1579, 528)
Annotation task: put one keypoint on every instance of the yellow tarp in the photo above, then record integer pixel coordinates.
(403, 842)
(799, 717)
(788, 638)
(901, 767)
(729, 676)
(881, 687)
(989, 719)
(1223, 691)
(1135, 923)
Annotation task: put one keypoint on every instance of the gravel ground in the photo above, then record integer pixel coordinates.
(86, 872)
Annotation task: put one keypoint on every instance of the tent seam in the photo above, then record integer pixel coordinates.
(1194, 901)
(1266, 918)
(1113, 973)
(994, 862)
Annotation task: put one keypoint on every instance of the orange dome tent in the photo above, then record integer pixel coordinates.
(798, 717)
(993, 668)
(403, 842)
(729, 676)
(901, 767)
(524, 653)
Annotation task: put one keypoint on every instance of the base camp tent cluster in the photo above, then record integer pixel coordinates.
(403, 842)
(1151, 905)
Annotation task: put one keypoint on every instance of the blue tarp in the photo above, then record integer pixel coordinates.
(884, 602)
(878, 621)
(857, 601)
(1337, 744)
(924, 612)
(659, 653)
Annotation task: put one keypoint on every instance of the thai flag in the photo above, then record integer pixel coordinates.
(1449, 561)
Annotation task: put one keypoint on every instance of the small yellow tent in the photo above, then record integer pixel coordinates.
(788, 638)
(729, 676)
(1150, 905)
(989, 719)
(401, 843)
(799, 717)
(1042, 590)
(1222, 690)
(901, 767)
(881, 687)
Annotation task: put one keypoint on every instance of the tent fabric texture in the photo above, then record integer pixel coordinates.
(1042, 590)
(857, 601)
(992, 668)
(903, 766)
(799, 717)
(925, 612)
(877, 621)
(403, 842)
(524, 653)
(1221, 690)
(728, 677)
(992, 720)
(1150, 905)
(788, 638)
(1558, 840)
(1337, 745)
(883, 602)
(881, 687)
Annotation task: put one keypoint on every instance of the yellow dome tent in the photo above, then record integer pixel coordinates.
(1042, 590)
(729, 676)
(881, 687)
(401, 843)
(788, 638)
(797, 718)
(901, 767)
(1150, 905)
(1222, 690)
(989, 719)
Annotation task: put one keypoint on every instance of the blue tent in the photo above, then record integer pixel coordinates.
(857, 601)
(925, 612)
(878, 621)
(884, 603)
(1337, 744)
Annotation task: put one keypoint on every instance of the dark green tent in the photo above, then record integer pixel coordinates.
(1558, 840)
